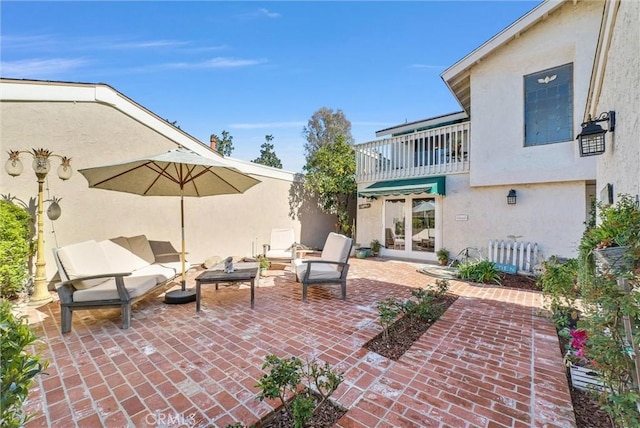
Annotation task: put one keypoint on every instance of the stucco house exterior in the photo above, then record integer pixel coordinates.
(444, 182)
(95, 125)
(615, 86)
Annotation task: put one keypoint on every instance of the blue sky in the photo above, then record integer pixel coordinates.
(257, 68)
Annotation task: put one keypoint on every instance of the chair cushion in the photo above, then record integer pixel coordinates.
(140, 247)
(282, 239)
(84, 259)
(136, 286)
(279, 254)
(121, 259)
(336, 248)
(318, 271)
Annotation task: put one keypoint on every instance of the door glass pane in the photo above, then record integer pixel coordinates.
(394, 224)
(423, 223)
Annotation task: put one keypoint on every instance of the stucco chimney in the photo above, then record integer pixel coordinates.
(214, 142)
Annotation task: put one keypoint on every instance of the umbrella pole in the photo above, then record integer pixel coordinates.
(184, 273)
(183, 295)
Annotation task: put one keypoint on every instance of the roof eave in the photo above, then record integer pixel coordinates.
(456, 75)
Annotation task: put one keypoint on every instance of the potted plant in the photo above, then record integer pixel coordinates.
(443, 256)
(264, 263)
(612, 239)
(375, 247)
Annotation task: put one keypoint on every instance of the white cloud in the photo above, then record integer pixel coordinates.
(147, 44)
(268, 14)
(219, 62)
(428, 66)
(257, 14)
(30, 68)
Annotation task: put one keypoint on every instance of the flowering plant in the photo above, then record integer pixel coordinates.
(577, 348)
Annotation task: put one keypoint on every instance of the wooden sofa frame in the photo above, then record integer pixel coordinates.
(66, 289)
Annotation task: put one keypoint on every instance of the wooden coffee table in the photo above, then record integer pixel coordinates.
(243, 272)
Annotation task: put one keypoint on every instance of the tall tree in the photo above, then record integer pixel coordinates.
(267, 156)
(224, 145)
(324, 127)
(331, 176)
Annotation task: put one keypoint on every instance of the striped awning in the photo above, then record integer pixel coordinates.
(432, 185)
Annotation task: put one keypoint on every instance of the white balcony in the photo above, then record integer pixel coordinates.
(436, 151)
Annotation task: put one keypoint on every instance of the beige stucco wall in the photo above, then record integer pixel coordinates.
(498, 155)
(95, 134)
(620, 164)
(550, 214)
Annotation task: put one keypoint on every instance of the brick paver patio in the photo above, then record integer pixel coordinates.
(490, 361)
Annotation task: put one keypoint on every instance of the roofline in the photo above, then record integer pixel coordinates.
(512, 31)
(431, 121)
(53, 91)
(607, 25)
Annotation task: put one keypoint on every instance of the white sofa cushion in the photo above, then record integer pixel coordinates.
(84, 259)
(161, 273)
(136, 286)
(140, 247)
(120, 259)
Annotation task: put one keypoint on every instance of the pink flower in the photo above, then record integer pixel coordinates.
(579, 339)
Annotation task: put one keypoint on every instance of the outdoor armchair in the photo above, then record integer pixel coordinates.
(331, 268)
(282, 245)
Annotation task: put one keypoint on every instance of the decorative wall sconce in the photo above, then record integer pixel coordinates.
(591, 139)
(54, 211)
(511, 197)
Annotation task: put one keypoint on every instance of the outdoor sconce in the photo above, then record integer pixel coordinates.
(511, 197)
(591, 139)
(41, 166)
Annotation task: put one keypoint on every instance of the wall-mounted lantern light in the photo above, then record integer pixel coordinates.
(591, 139)
(511, 197)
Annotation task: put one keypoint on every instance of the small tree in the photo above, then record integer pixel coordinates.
(331, 177)
(323, 128)
(267, 156)
(15, 248)
(224, 145)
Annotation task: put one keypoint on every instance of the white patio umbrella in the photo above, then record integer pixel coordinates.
(178, 172)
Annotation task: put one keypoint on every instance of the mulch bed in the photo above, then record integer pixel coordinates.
(586, 408)
(405, 331)
(521, 282)
(326, 416)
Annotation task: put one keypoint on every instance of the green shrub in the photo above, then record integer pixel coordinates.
(285, 377)
(15, 248)
(388, 311)
(483, 271)
(421, 305)
(607, 307)
(18, 367)
(559, 283)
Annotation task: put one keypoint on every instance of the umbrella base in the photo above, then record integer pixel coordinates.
(176, 297)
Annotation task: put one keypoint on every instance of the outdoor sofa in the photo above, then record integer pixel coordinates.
(112, 273)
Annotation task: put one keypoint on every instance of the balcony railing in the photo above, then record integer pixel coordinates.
(436, 151)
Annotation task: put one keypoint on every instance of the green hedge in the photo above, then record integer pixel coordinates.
(15, 248)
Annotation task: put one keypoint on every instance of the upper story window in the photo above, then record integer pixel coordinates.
(548, 106)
